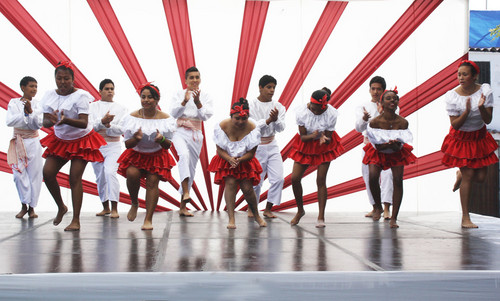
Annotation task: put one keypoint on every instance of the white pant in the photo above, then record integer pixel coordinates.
(269, 157)
(188, 145)
(386, 187)
(29, 182)
(108, 186)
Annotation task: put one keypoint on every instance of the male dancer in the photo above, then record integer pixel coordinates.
(191, 107)
(25, 151)
(105, 115)
(364, 113)
(268, 153)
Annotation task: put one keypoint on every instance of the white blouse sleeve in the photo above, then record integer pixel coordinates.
(380, 136)
(220, 138)
(488, 93)
(332, 115)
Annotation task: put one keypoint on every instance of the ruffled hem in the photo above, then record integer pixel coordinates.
(469, 149)
(86, 148)
(312, 153)
(386, 161)
(160, 162)
(245, 170)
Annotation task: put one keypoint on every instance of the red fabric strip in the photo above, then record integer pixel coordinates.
(254, 19)
(329, 18)
(25, 23)
(112, 29)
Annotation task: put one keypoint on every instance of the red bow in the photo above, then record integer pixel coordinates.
(323, 101)
(395, 90)
(147, 85)
(239, 109)
(66, 64)
(474, 65)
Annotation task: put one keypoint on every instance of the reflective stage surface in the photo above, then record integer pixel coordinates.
(425, 244)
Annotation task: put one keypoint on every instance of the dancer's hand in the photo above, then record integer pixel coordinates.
(233, 161)
(138, 135)
(366, 115)
(27, 106)
(106, 120)
(468, 105)
(481, 101)
(61, 119)
(273, 116)
(324, 140)
(159, 137)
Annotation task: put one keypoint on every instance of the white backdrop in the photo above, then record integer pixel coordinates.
(216, 26)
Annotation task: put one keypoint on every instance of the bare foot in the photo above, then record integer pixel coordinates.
(132, 212)
(393, 224)
(260, 221)
(467, 223)
(370, 214)
(23, 211)
(103, 212)
(183, 210)
(74, 226)
(249, 213)
(147, 226)
(269, 214)
(456, 186)
(231, 224)
(114, 214)
(60, 213)
(320, 223)
(387, 214)
(31, 213)
(297, 218)
(377, 213)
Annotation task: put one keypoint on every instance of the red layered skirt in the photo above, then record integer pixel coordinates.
(312, 153)
(469, 149)
(245, 170)
(388, 160)
(86, 148)
(160, 162)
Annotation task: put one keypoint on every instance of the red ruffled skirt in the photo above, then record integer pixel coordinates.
(386, 161)
(469, 149)
(245, 170)
(312, 153)
(86, 148)
(160, 162)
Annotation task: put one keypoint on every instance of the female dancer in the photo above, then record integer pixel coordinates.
(237, 139)
(469, 146)
(388, 134)
(73, 139)
(318, 144)
(25, 152)
(147, 133)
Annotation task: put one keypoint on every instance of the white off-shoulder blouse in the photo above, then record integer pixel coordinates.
(324, 122)
(131, 124)
(238, 148)
(380, 136)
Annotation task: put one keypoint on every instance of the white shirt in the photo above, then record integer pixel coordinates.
(130, 125)
(237, 148)
(15, 115)
(260, 110)
(72, 105)
(97, 111)
(177, 110)
(324, 122)
(455, 106)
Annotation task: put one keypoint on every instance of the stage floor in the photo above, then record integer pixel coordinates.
(350, 247)
(350, 242)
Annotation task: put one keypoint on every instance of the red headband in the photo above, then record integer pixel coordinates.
(474, 65)
(239, 109)
(323, 101)
(395, 90)
(141, 87)
(66, 64)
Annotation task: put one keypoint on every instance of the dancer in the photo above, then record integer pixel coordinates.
(25, 152)
(364, 113)
(388, 134)
(272, 113)
(317, 145)
(73, 139)
(191, 107)
(469, 146)
(235, 164)
(105, 117)
(147, 133)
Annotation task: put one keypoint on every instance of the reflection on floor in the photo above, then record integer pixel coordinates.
(350, 242)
